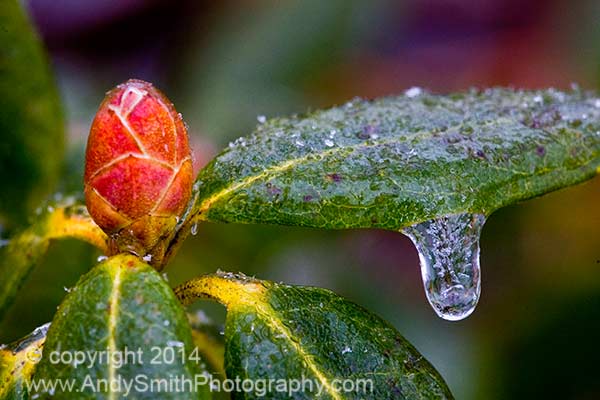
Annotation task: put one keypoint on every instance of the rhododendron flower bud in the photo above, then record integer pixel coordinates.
(138, 167)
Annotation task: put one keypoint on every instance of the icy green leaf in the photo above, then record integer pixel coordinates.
(394, 162)
(17, 364)
(123, 304)
(281, 332)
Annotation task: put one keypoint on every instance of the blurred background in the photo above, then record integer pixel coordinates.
(223, 63)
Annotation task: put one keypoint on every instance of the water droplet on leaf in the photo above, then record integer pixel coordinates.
(261, 119)
(101, 258)
(449, 255)
(413, 91)
(194, 229)
(40, 331)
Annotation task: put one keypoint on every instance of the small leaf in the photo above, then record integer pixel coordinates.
(17, 364)
(66, 219)
(122, 304)
(397, 161)
(31, 119)
(278, 331)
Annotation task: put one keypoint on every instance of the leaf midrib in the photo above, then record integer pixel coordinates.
(267, 312)
(112, 325)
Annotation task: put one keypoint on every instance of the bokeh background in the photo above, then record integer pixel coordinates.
(223, 63)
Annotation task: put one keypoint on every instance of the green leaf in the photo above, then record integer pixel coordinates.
(17, 364)
(31, 121)
(276, 331)
(122, 305)
(397, 161)
(65, 219)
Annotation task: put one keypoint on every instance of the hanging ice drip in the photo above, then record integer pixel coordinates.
(449, 255)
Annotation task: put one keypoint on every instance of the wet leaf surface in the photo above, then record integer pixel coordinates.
(121, 304)
(398, 161)
(17, 364)
(275, 331)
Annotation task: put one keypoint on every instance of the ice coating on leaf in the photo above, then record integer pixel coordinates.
(400, 160)
(449, 255)
(17, 364)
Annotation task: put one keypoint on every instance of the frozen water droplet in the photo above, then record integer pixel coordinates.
(41, 330)
(4, 242)
(329, 143)
(66, 289)
(101, 258)
(194, 229)
(538, 99)
(413, 92)
(261, 119)
(166, 322)
(147, 257)
(449, 255)
(597, 103)
(299, 143)
(346, 350)
(237, 142)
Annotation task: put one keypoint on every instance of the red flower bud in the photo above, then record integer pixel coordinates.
(138, 167)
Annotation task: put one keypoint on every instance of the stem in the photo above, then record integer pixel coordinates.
(226, 288)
